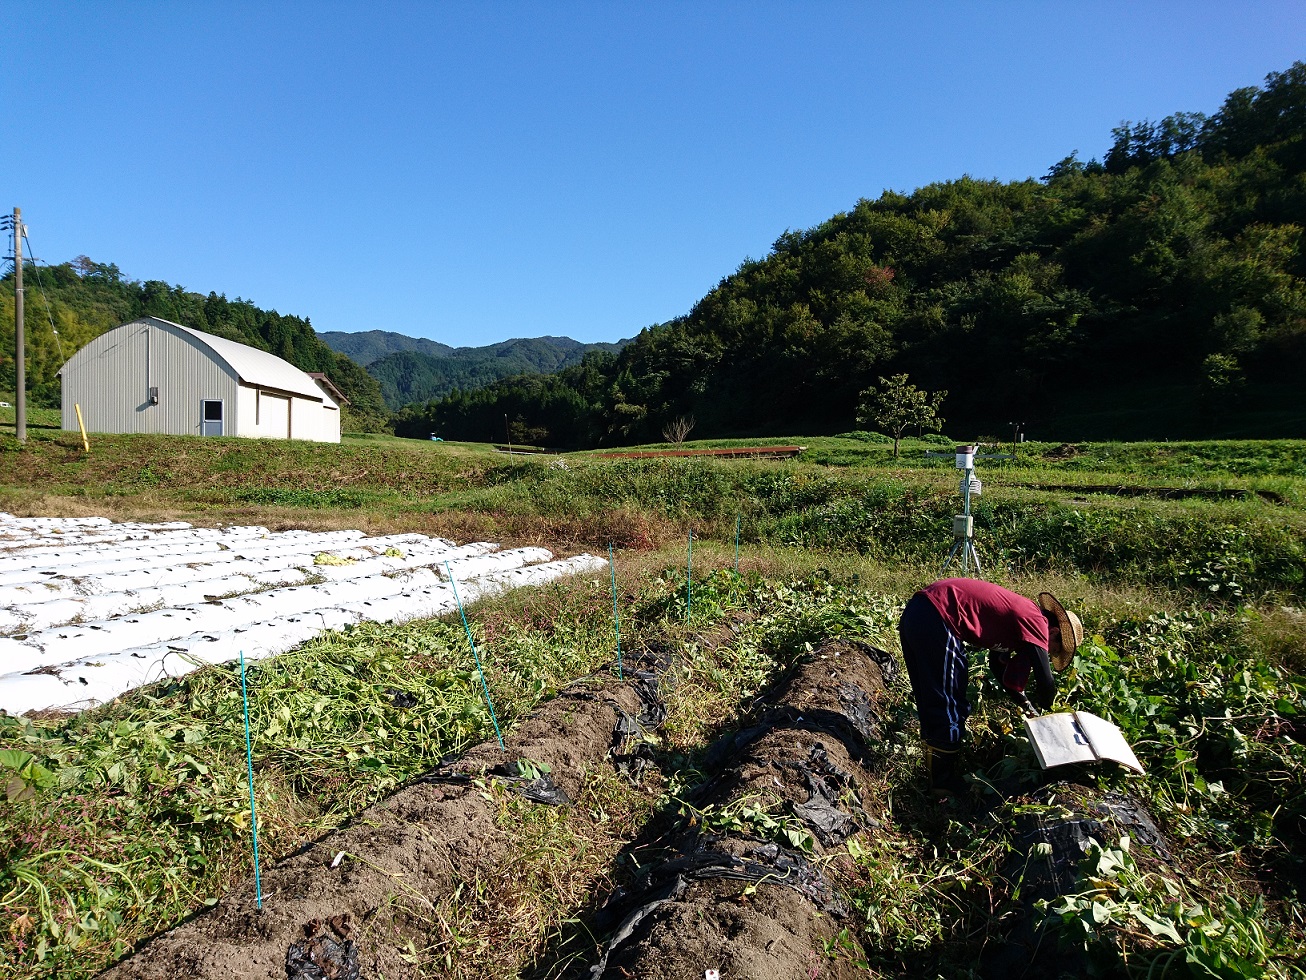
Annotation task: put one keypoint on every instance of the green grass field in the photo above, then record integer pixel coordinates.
(1186, 560)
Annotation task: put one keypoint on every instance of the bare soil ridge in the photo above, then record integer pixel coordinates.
(751, 903)
(405, 852)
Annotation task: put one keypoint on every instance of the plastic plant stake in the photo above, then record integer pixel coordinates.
(689, 580)
(81, 424)
(476, 657)
(737, 519)
(616, 619)
(249, 764)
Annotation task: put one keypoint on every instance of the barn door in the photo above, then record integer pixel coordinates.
(210, 418)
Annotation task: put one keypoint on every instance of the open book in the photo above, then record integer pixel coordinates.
(1077, 736)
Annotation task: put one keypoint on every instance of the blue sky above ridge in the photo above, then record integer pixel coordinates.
(474, 172)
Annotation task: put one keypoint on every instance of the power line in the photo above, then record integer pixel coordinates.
(49, 315)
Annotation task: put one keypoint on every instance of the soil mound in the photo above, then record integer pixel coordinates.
(1051, 834)
(743, 888)
(337, 908)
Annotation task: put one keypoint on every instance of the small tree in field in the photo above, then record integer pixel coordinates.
(897, 404)
(677, 429)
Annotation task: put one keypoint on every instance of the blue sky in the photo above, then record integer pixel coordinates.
(477, 171)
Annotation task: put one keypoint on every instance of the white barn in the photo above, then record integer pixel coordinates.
(155, 376)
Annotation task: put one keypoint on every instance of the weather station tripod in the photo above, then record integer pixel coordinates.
(963, 524)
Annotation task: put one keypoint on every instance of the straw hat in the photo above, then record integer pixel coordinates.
(1070, 628)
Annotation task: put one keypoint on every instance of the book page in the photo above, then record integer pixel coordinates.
(1107, 740)
(1058, 740)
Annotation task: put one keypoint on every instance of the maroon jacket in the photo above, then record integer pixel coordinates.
(987, 615)
(1014, 629)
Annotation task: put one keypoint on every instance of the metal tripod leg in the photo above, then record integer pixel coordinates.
(967, 548)
(953, 553)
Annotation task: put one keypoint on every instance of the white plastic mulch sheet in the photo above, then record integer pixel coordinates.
(90, 609)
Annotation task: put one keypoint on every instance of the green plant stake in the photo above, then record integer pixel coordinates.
(249, 763)
(476, 657)
(737, 519)
(689, 580)
(616, 619)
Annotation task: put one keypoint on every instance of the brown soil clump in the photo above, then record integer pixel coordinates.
(1067, 450)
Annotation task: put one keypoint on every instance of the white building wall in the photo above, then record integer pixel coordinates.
(279, 415)
(318, 421)
(111, 378)
(272, 420)
(330, 416)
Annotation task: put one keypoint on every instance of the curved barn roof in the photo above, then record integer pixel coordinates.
(254, 366)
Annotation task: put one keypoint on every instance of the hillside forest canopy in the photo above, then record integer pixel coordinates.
(1157, 293)
(408, 376)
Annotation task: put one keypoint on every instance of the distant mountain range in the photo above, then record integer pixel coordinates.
(415, 370)
(367, 346)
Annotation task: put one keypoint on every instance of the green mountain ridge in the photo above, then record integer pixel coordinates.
(365, 346)
(413, 376)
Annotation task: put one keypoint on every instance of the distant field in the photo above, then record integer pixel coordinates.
(37, 418)
(1159, 513)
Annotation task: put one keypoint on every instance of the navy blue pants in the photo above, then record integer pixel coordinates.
(939, 667)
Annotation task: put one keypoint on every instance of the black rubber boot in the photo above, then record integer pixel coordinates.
(944, 772)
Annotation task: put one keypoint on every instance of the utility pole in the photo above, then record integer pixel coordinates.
(20, 354)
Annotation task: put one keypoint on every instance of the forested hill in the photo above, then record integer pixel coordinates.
(366, 346)
(86, 298)
(416, 376)
(1158, 293)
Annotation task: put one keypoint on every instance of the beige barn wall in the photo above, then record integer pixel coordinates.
(111, 379)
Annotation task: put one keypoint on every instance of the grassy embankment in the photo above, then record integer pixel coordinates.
(1194, 655)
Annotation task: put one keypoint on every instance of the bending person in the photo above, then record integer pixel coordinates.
(1023, 637)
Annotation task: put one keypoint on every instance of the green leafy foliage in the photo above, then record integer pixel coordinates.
(1164, 931)
(1209, 718)
(897, 404)
(755, 817)
(419, 375)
